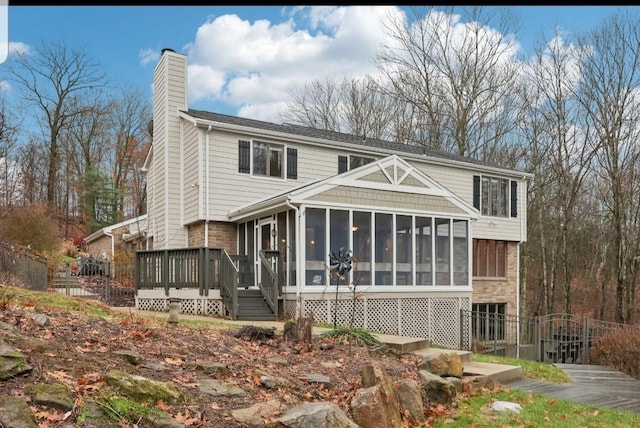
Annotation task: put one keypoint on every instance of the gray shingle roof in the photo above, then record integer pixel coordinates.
(339, 137)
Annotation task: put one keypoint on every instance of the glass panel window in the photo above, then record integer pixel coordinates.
(384, 249)
(339, 238)
(424, 268)
(494, 198)
(267, 159)
(443, 258)
(404, 250)
(460, 253)
(361, 248)
(315, 248)
(356, 161)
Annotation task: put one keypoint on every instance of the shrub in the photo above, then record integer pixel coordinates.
(31, 226)
(619, 350)
(68, 248)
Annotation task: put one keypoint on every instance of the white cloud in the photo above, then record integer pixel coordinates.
(253, 65)
(148, 55)
(16, 48)
(4, 86)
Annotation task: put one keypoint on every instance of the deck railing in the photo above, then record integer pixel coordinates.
(269, 279)
(204, 269)
(179, 268)
(229, 284)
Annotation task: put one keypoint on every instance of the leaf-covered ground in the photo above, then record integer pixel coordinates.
(81, 343)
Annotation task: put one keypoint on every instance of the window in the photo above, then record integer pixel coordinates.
(497, 197)
(389, 249)
(347, 163)
(423, 251)
(488, 321)
(489, 258)
(267, 159)
(361, 230)
(315, 235)
(443, 255)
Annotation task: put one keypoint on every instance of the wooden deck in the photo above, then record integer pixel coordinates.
(595, 385)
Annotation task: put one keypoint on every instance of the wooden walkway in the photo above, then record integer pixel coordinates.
(595, 385)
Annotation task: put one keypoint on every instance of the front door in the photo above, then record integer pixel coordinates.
(266, 240)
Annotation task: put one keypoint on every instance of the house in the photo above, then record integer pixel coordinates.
(431, 233)
(126, 235)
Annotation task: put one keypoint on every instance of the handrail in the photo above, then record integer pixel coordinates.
(229, 284)
(269, 286)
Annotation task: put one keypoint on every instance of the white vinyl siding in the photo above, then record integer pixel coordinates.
(230, 189)
(166, 221)
(460, 182)
(191, 189)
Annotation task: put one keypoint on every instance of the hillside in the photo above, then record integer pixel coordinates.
(79, 343)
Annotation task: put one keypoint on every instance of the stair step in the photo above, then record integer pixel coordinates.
(256, 317)
(497, 372)
(465, 356)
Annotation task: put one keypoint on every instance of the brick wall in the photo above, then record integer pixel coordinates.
(221, 235)
(498, 290)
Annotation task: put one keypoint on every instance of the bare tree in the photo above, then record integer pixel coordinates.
(51, 80)
(314, 105)
(569, 149)
(8, 157)
(610, 67)
(460, 77)
(358, 106)
(84, 142)
(130, 116)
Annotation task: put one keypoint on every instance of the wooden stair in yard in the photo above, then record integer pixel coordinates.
(70, 286)
(253, 307)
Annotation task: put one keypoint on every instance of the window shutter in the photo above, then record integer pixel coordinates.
(244, 157)
(342, 164)
(292, 163)
(514, 198)
(476, 192)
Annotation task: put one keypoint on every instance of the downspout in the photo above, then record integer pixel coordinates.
(518, 298)
(206, 189)
(522, 231)
(298, 261)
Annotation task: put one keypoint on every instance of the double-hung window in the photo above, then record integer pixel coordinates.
(494, 196)
(267, 159)
(261, 158)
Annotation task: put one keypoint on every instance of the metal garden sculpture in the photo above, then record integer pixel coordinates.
(340, 262)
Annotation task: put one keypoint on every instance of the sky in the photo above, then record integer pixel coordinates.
(243, 60)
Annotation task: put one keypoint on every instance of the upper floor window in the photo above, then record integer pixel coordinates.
(493, 196)
(267, 159)
(347, 163)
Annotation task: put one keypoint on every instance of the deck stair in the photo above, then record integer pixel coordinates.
(252, 306)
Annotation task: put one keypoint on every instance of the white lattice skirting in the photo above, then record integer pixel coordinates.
(191, 302)
(435, 318)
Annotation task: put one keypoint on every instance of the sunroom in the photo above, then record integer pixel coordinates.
(411, 245)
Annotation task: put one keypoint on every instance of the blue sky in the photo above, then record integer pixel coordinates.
(243, 60)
